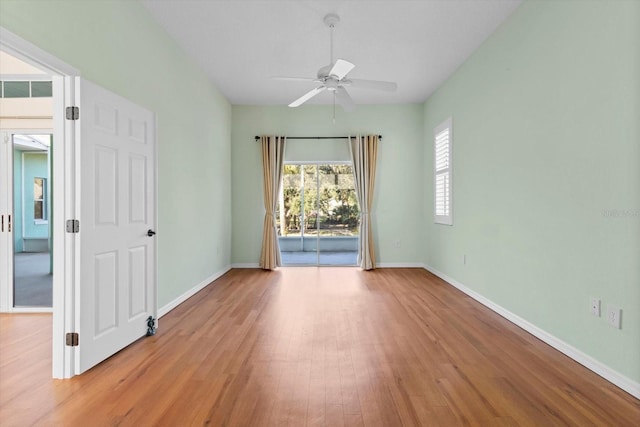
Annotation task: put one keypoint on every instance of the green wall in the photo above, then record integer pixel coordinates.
(397, 212)
(117, 45)
(546, 148)
(36, 165)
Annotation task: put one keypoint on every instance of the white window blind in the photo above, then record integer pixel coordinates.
(442, 173)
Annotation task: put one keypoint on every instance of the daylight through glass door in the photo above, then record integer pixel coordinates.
(318, 215)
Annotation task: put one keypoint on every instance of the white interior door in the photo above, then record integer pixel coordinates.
(117, 287)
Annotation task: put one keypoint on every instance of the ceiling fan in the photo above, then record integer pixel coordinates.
(333, 78)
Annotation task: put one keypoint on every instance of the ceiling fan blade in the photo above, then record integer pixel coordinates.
(295, 79)
(307, 96)
(373, 84)
(341, 68)
(344, 100)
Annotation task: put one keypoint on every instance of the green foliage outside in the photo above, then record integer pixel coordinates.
(330, 208)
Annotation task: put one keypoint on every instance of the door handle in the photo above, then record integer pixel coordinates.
(151, 233)
(2, 227)
(9, 224)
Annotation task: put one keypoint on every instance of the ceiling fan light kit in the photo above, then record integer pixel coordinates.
(333, 77)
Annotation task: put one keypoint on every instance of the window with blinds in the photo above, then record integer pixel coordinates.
(442, 168)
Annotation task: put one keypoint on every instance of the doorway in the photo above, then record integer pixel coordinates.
(318, 215)
(116, 303)
(27, 191)
(26, 133)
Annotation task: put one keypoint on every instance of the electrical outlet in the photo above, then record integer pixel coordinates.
(614, 315)
(595, 307)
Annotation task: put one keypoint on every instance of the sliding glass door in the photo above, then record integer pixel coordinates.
(25, 233)
(318, 215)
(338, 215)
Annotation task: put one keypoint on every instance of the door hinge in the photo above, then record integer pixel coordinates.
(73, 226)
(73, 113)
(72, 339)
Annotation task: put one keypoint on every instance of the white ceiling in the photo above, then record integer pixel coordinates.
(240, 44)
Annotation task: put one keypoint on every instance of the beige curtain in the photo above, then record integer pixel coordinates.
(272, 165)
(364, 152)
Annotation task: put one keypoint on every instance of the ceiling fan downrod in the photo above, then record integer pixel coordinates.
(331, 20)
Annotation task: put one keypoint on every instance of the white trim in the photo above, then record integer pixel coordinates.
(26, 78)
(32, 310)
(378, 265)
(63, 191)
(245, 265)
(65, 173)
(33, 55)
(399, 265)
(191, 292)
(155, 218)
(614, 377)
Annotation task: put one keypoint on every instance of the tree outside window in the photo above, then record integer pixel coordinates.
(318, 199)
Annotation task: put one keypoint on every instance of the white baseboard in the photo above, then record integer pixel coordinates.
(381, 265)
(399, 265)
(246, 265)
(30, 310)
(626, 384)
(191, 292)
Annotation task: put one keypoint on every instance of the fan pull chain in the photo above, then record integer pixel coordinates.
(334, 107)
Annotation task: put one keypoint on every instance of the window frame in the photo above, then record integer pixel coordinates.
(43, 200)
(446, 172)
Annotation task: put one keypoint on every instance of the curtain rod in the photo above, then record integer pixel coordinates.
(318, 137)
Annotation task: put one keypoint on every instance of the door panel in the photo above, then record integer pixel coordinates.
(117, 274)
(338, 234)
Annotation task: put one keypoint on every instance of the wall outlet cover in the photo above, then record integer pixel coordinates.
(595, 307)
(614, 315)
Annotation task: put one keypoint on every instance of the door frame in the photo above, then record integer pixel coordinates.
(65, 173)
(317, 164)
(7, 290)
(66, 200)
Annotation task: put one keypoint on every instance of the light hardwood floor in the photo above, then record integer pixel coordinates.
(317, 347)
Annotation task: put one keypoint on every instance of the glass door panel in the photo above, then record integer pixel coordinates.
(289, 216)
(32, 260)
(339, 216)
(317, 215)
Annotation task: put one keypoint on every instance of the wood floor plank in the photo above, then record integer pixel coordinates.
(316, 347)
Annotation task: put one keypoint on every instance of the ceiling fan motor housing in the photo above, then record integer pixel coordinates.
(324, 71)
